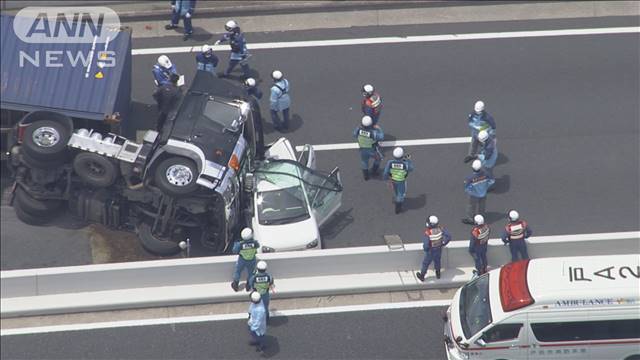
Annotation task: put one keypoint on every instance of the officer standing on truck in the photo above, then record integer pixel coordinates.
(239, 53)
(262, 282)
(479, 120)
(476, 186)
(398, 169)
(488, 151)
(163, 69)
(514, 234)
(368, 137)
(371, 103)
(279, 100)
(478, 244)
(166, 96)
(257, 322)
(246, 250)
(435, 237)
(206, 60)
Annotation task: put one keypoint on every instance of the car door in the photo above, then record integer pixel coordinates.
(307, 157)
(502, 341)
(326, 200)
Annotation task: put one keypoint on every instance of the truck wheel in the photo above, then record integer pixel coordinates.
(153, 244)
(36, 207)
(46, 140)
(26, 217)
(176, 176)
(96, 170)
(41, 164)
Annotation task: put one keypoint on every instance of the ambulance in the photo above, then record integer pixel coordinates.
(551, 308)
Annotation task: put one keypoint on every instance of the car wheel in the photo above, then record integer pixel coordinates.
(36, 207)
(46, 140)
(96, 170)
(154, 244)
(176, 176)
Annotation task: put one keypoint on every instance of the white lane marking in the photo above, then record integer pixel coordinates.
(222, 317)
(398, 39)
(416, 142)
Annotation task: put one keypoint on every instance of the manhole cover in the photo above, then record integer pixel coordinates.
(394, 242)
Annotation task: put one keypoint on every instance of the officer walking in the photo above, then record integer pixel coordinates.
(398, 168)
(479, 120)
(252, 89)
(262, 282)
(206, 59)
(247, 249)
(279, 100)
(182, 9)
(239, 53)
(435, 237)
(476, 186)
(514, 234)
(257, 321)
(371, 103)
(368, 137)
(478, 244)
(162, 70)
(488, 151)
(166, 96)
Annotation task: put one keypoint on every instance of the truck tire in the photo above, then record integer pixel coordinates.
(176, 176)
(36, 207)
(26, 217)
(46, 140)
(96, 170)
(153, 244)
(41, 164)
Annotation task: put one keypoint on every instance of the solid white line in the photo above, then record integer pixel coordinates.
(416, 142)
(398, 39)
(222, 317)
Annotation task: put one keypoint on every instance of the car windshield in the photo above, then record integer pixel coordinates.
(475, 310)
(282, 206)
(222, 113)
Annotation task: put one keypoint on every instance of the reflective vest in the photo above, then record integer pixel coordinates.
(373, 102)
(515, 230)
(248, 250)
(261, 282)
(435, 236)
(481, 233)
(398, 171)
(365, 138)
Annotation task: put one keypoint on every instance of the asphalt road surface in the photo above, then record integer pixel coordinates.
(380, 334)
(566, 109)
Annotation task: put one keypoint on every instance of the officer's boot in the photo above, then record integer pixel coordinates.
(437, 274)
(398, 207)
(420, 276)
(365, 174)
(375, 169)
(246, 286)
(234, 286)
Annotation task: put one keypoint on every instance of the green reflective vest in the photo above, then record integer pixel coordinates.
(248, 250)
(261, 283)
(398, 171)
(365, 139)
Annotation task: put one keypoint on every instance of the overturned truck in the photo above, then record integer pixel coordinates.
(185, 181)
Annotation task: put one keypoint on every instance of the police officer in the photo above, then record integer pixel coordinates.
(257, 322)
(371, 103)
(478, 244)
(239, 53)
(435, 237)
(252, 88)
(167, 97)
(254, 99)
(488, 151)
(279, 100)
(514, 234)
(368, 137)
(476, 186)
(479, 120)
(162, 70)
(247, 249)
(182, 9)
(206, 59)
(262, 282)
(398, 168)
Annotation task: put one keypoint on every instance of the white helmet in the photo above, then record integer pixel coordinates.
(367, 121)
(479, 106)
(513, 215)
(246, 234)
(433, 220)
(207, 48)
(483, 135)
(478, 219)
(230, 25)
(255, 297)
(163, 60)
(276, 75)
(398, 152)
(476, 165)
(262, 265)
(250, 82)
(367, 89)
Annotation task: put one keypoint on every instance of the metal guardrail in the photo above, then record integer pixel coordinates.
(206, 280)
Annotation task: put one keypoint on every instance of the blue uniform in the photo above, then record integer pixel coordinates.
(478, 122)
(398, 170)
(280, 101)
(261, 282)
(247, 250)
(478, 247)
(207, 63)
(182, 8)
(488, 154)
(239, 53)
(433, 240)
(514, 234)
(477, 184)
(368, 138)
(257, 324)
(162, 75)
(372, 106)
(255, 92)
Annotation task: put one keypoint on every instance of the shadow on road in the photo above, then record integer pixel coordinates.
(502, 159)
(415, 202)
(502, 185)
(340, 220)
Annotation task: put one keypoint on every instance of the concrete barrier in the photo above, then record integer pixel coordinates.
(310, 273)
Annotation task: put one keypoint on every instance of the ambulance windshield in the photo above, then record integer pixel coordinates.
(475, 310)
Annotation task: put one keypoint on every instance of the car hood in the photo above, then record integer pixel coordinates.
(293, 236)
